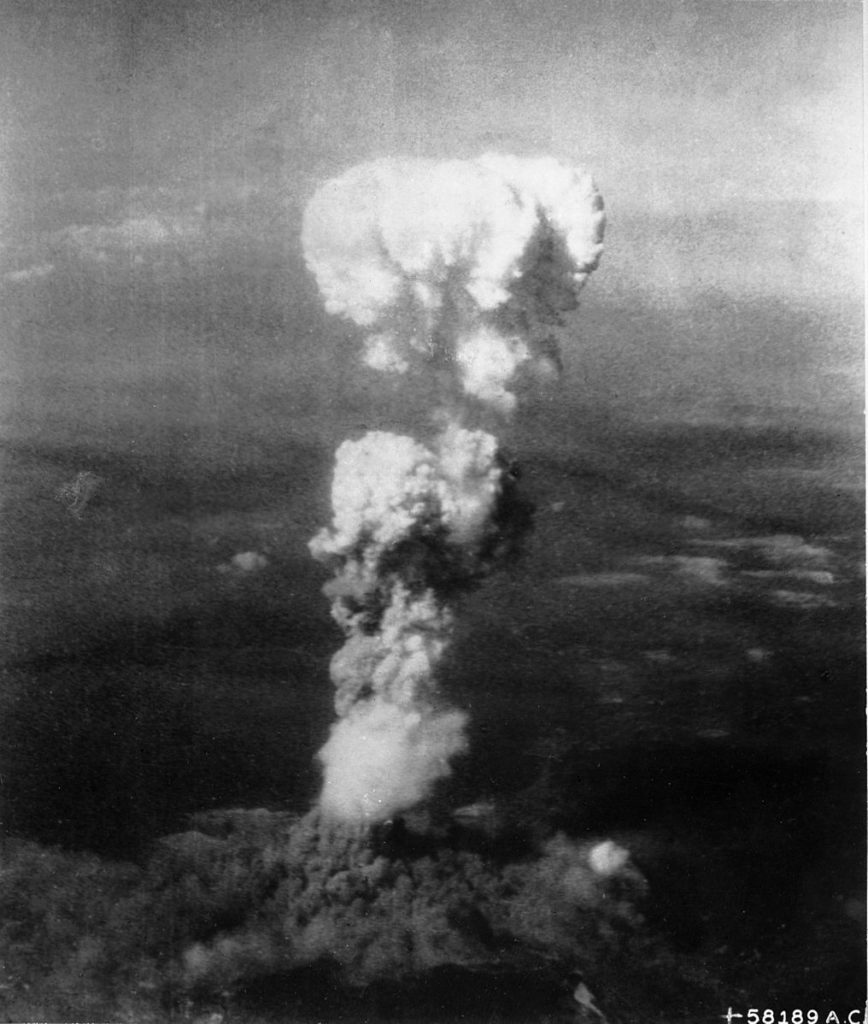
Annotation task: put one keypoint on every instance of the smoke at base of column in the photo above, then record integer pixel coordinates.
(461, 271)
(329, 892)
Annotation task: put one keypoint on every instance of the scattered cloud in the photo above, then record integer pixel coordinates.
(819, 577)
(659, 656)
(31, 273)
(139, 235)
(704, 570)
(783, 549)
(242, 563)
(789, 549)
(758, 655)
(696, 524)
(802, 599)
(698, 569)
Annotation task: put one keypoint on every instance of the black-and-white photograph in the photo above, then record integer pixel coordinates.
(432, 529)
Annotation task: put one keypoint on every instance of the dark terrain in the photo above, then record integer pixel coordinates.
(675, 662)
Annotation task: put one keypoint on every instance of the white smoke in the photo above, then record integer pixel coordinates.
(467, 264)
(408, 522)
(465, 268)
(386, 485)
(381, 759)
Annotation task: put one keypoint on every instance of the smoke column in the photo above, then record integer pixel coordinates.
(460, 271)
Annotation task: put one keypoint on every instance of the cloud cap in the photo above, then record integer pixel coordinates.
(466, 264)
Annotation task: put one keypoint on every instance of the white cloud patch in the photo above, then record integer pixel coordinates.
(780, 549)
(243, 563)
(801, 599)
(696, 569)
(32, 273)
(139, 235)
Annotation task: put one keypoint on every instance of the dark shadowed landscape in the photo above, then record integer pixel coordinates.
(673, 663)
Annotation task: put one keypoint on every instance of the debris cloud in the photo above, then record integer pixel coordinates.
(461, 271)
(468, 265)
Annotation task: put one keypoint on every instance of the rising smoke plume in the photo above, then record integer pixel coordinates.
(461, 271)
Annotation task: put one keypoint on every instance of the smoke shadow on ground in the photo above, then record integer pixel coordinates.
(107, 761)
(109, 748)
(754, 814)
(750, 849)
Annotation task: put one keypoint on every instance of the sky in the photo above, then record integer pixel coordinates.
(166, 149)
(677, 106)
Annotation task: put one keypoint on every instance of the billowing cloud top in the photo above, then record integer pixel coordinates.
(464, 262)
(386, 485)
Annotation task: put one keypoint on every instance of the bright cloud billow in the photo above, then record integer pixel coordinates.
(461, 271)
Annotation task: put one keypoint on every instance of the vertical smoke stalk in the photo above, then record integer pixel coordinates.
(460, 271)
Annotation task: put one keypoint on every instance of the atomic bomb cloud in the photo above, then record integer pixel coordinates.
(461, 271)
(463, 263)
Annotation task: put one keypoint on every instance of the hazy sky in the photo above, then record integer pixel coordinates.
(674, 105)
(725, 136)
